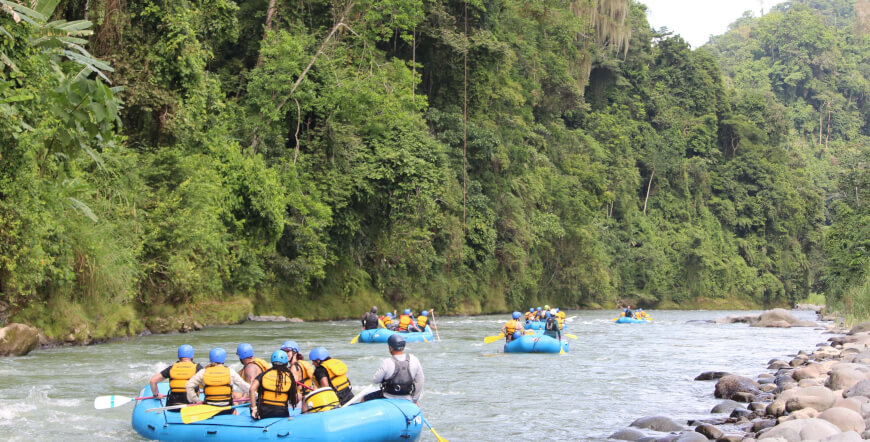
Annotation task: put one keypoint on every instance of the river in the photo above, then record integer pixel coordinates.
(613, 374)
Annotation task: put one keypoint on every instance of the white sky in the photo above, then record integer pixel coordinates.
(696, 20)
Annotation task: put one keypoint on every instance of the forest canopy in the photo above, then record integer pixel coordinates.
(309, 158)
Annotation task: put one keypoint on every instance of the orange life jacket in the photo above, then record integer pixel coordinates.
(337, 373)
(269, 393)
(218, 384)
(179, 373)
(404, 322)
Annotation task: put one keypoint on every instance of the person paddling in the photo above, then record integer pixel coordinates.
(252, 367)
(274, 389)
(178, 374)
(302, 370)
(218, 381)
(512, 326)
(406, 322)
(627, 312)
(551, 327)
(370, 320)
(400, 375)
(330, 372)
(423, 320)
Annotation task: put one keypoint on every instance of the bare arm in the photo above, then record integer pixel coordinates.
(154, 380)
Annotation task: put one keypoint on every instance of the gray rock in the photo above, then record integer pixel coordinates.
(627, 434)
(860, 389)
(742, 413)
(657, 423)
(709, 431)
(820, 398)
(18, 339)
(758, 407)
(731, 438)
(268, 318)
(865, 435)
(743, 396)
(691, 436)
(711, 375)
(777, 364)
(802, 429)
(729, 385)
(862, 327)
(726, 406)
(848, 436)
(845, 419)
(761, 424)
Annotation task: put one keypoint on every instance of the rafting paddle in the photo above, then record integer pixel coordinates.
(196, 413)
(103, 402)
(358, 397)
(354, 340)
(180, 406)
(491, 339)
(569, 335)
(437, 436)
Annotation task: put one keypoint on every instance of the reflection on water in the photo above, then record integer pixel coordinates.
(613, 374)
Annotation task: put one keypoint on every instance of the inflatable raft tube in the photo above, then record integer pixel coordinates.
(380, 335)
(535, 344)
(539, 325)
(624, 320)
(377, 420)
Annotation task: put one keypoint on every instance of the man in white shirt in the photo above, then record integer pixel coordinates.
(400, 375)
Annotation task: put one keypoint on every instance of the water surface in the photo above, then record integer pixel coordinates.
(613, 374)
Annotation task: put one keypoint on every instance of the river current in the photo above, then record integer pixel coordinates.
(613, 374)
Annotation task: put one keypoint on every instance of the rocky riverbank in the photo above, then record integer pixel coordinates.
(823, 395)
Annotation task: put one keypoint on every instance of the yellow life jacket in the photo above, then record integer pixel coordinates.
(421, 321)
(404, 322)
(561, 322)
(561, 314)
(529, 316)
(179, 373)
(218, 384)
(385, 320)
(511, 326)
(269, 393)
(337, 373)
(307, 370)
(322, 399)
(259, 362)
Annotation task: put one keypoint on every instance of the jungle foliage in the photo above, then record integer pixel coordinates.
(470, 156)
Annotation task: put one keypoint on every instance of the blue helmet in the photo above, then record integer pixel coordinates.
(539, 309)
(185, 351)
(396, 342)
(424, 313)
(516, 315)
(318, 354)
(518, 334)
(290, 345)
(557, 309)
(279, 357)
(548, 315)
(245, 351)
(217, 355)
(407, 311)
(531, 309)
(389, 314)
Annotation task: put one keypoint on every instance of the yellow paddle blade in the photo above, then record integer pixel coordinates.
(562, 351)
(491, 339)
(439, 438)
(354, 340)
(196, 413)
(569, 335)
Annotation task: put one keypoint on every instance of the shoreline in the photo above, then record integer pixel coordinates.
(821, 394)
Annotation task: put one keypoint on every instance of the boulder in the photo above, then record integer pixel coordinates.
(627, 434)
(860, 328)
(777, 317)
(743, 396)
(726, 406)
(18, 339)
(820, 398)
(777, 364)
(848, 436)
(810, 382)
(709, 431)
(710, 375)
(861, 388)
(809, 371)
(657, 423)
(804, 413)
(761, 424)
(691, 436)
(732, 438)
(768, 387)
(851, 403)
(802, 429)
(741, 413)
(845, 378)
(729, 385)
(845, 419)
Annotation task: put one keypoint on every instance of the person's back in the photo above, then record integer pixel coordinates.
(512, 326)
(551, 328)
(331, 372)
(178, 374)
(370, 319)
(274, 389)
(400, 375)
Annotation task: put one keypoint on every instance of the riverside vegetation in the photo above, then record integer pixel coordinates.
(164, 163)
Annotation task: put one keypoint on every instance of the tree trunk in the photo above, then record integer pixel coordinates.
(270, 14)
(87, 4)
(828, 135)
(648, 187)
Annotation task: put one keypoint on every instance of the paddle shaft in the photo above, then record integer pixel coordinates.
(434, 326)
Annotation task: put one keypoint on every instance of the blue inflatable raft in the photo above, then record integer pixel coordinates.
(624, 320)
(535, 344)
(380, 335)
(539, 325)
(378, 420)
